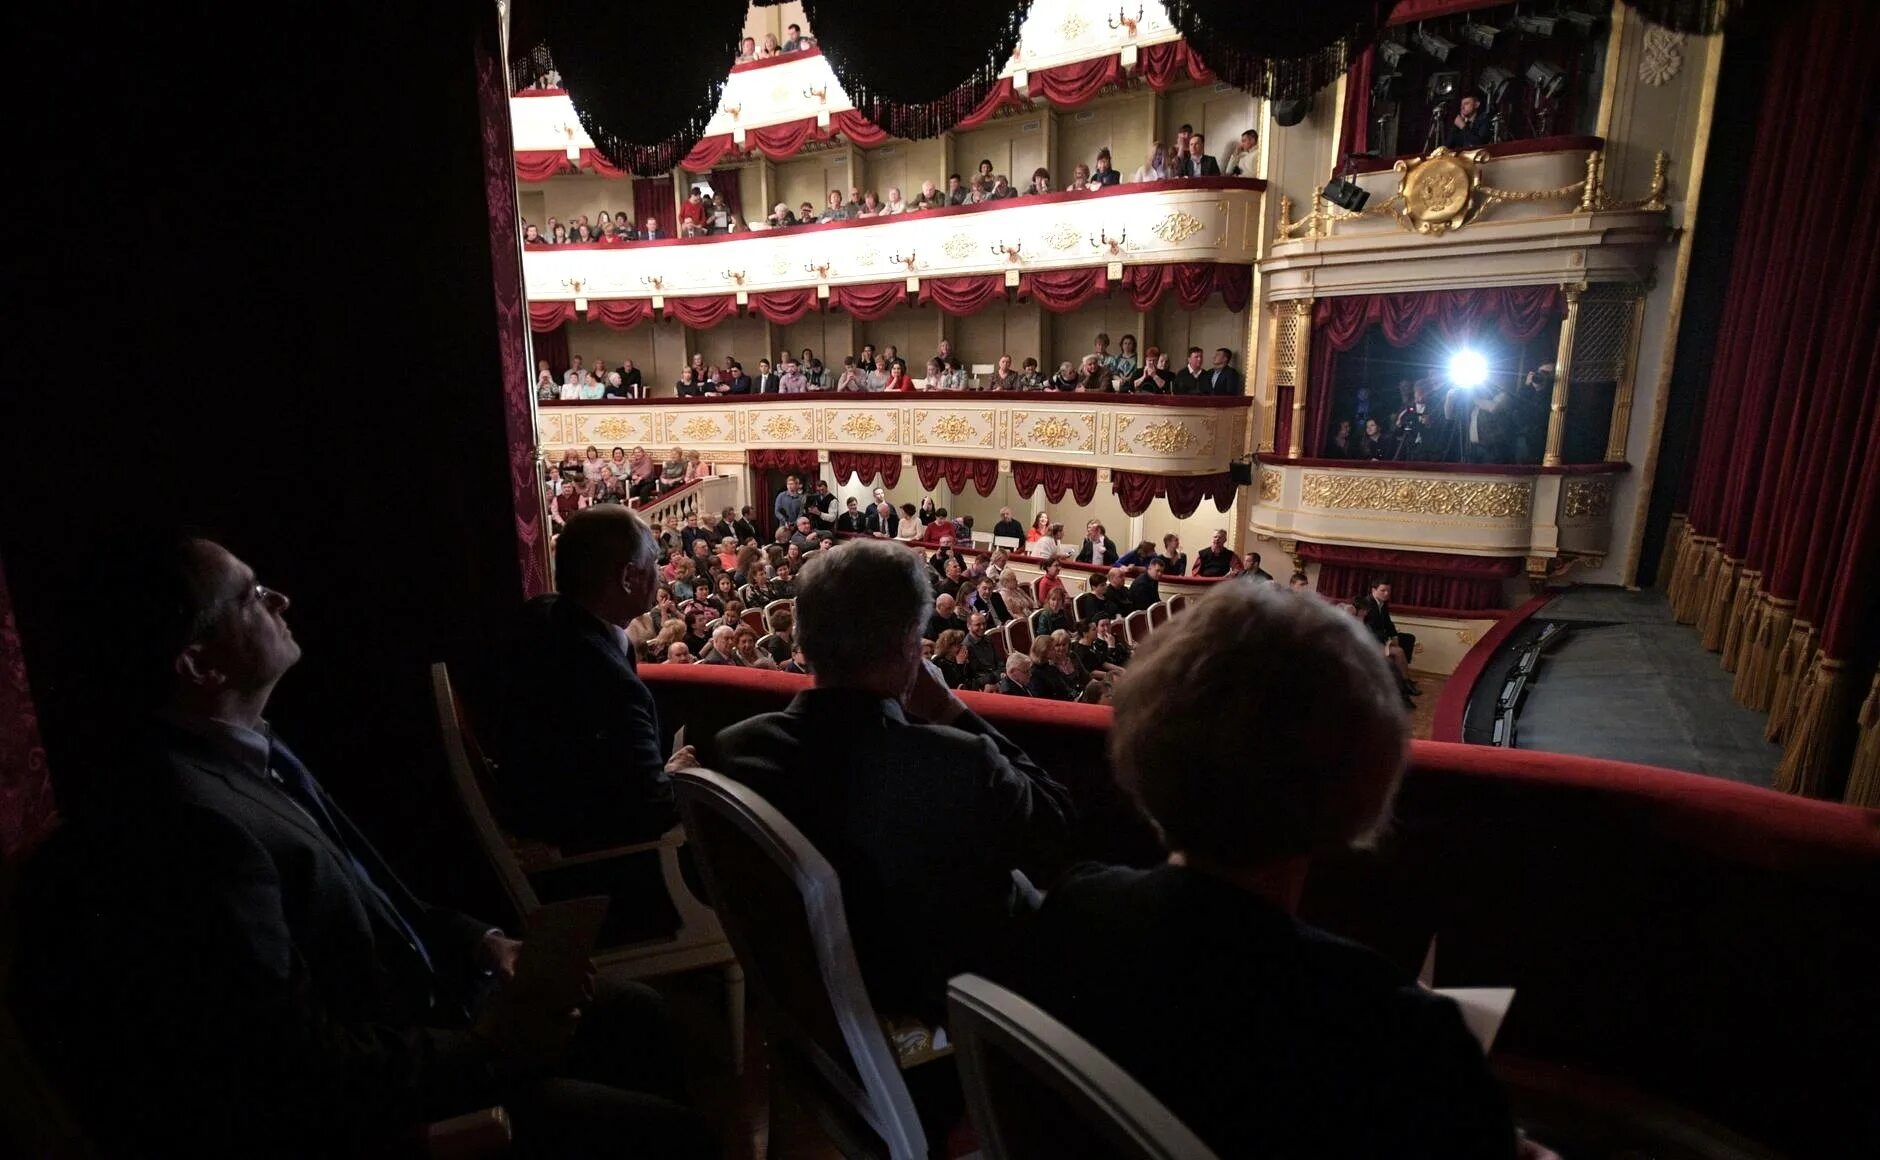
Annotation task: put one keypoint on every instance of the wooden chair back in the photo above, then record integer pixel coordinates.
(1036, 1088)
(1018, 636)
(1158, 614)
(1136, 627)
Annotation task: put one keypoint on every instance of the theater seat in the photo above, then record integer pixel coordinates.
(1158, 614)
(1036, 1088)
(1086, 606)
(754, 619)
(1136, 627)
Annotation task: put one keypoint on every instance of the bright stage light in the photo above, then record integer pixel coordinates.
(1468, 369)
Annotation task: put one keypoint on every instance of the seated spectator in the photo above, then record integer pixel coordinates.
(1245, 158)
(1047, 680)
(805, 214)
(1173, 558)
(1374, 609)
(1001, 189)
(1299, 582)
(771, 47)
(1146, 589)
(1156, 378)
(1156, 167)
(794, 40)
(747, 50)
(932, 198)
(894, 205)
(1097, 547)
(1115, 594)
(794, 381)
(1196, 162)
(1153, 966)
(1066, 378)
(909, 528)
(956, 192)
(650, 231)
(1080, 179)
(292, 997)
(781, 586)
(1051, 581)
(1126, 363)
(897, 377)
(837, 210)
(1051, 545)
(1092, 376)
(1104, 175)
(1010, 600)
(532, 236)
(1250, 567)
(723, 647)
(1092, 652)
(954, 377)
(747, 654)
(780, 217)
(936, 372)
(1028, 376)
(689, 386)
(1040, 181)
(982, 653)
(1004, 378)
(1342, 444)
(546, 389)
(1375, 443)
(1217, 559)
(1056, 613)
(949, 656)
(925, 810)
(1008, 527)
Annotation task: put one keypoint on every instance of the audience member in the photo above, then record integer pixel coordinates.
(1146, 589)
(925, 811)
(1399, 647)
(1192, 379)
(1008, 527)
(1245, 158)
(1047, 680)
(1017, 679)
(1217, 559)
(1196, 162)
(1104, 175)
(1156, 167)
(1194, 976)
(1097, 547)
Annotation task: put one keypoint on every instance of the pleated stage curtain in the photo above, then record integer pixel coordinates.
(867, 465)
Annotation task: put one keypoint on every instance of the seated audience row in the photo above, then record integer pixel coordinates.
(582, 480)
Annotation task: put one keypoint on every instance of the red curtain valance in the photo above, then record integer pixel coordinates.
(1002, 95)
(963, 294)
(542, 164)
(784, 306)
(1068, 85)
(1413, 563)
(1428, 594)
(802, 462)
(620, 313)
(1192, 283)
(1137, 490)
(866, 465)
(706, 153)
(957, 471)
(857, 128)
(870, 301)
(1340, 323)
(1056, 479)
(1063, 289)
(547, 316)
(700, 313)
(1173, 62)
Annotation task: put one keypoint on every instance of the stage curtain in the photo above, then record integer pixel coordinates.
(1063, 290)
(706, 153)
(1067, 86)
(703, 312)
(620, 313)
(865, 466)
(1340, 323)
(963, 294)
(1080, 482)
(861, 132)
(1136, 490)
(546, 316)
(553, 346)
(958, 471)
(784, 306)
(868, 302)
(998, 97)
(1235, 282)
(1173, 62)
(652, 198)
(540, 164)
(1435, 595)
(782, 142)
(1355, 128)
(802, 462)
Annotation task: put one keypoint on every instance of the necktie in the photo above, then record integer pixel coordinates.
(297, 781)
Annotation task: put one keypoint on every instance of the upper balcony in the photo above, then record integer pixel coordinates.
(1204, 230)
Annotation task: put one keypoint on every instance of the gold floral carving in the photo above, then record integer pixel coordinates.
(1269, 485)
(1437, 190)
(1167, 437)
(700, 428)
(1588, 499)
(860, 426)
(1052, 432)
(615, 428)
(1073, 27)
(1177, 227)
(947, 428)
(1663, 55)
(958, 247)
(1391, 493)
(781, 427)
(1062, 236)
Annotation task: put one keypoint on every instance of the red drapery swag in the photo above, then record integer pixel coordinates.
(1000, 96)
(1339, 324)
(1137, 490)
(870, 301)
(784, 306)
(1783, 549)
(1063, 289)
(782, 141)
(1081, 482)
(1355, 129)
(702, 312)
(866, 465)
(957, 471)
(621, 313)
(542, 164)
(1170, 63)
(547, 316)
(964, 294)
(783, 459)
(1192, 283)
(1068, 85)
(652, 198)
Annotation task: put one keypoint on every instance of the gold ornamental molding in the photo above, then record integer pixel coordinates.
(1177, 227)
(861, 427)
(1053, 431)
(1587, 499)
(1167, 436)
(1269, 485)
(1473, 499)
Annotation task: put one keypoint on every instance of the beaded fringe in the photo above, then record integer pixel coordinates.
(1713, 616)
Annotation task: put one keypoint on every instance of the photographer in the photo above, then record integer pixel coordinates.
(1481, 416)
(1532, 401)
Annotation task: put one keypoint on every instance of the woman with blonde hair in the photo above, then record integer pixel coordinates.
(1013, 602)
(1047, 680)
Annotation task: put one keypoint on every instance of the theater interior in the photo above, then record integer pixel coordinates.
(1557, 320)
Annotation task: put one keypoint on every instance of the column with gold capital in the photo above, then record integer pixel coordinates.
(1563, 377)
(1302, 362)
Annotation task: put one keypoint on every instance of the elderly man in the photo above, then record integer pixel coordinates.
(1217, 559)
(925, 810)
(290, 995)
(945, 618)
(677, 653)
(1017, 679)
(724, 647)
(1115, 594)
(1008, 526)
(804, 533)
(1195, 976)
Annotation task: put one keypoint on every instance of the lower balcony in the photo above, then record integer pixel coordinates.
(1550, 516)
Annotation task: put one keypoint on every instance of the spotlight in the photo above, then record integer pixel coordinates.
(1387, 88)
(1534, 25)
(1547, 79)
(1435, 45)
(1493, 81)
(1291, 111)
(1468, 369)
(1346, 194)
(1392, 52)
(1442, 86)
(1580, 24)
(1481, 35)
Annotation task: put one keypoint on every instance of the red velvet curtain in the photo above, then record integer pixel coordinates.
(998, 97)
(703, 312)
(1192, 283)
(1069, 85)
(1080, 482)
(866, 465)
(547, 316)
(706, 153)
(958, 471)
(1355, 129)
(725, 183)
(778, 142)
(1063, 290)
(27, 812)
(597, 161)
(784, 306)
(864, 133)
(1137, 490)
(1436, 595)
(620, 313)
(802, 462)
(963, 294)
(553, 346)
(652, 198)
(1340, 323)
(541, 164)
(1163, 66)
(870, 301)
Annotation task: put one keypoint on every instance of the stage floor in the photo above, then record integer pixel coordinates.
(1631, 684)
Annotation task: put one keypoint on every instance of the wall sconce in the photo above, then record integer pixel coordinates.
(815, 94)
(573, 285)
(1122, 19)
(733, 276)
(1010, 252)
(907, 261)
(732, 111)
(821, 271)
(656, 281)
(1114, 244)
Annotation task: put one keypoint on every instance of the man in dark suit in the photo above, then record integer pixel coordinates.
(1470, 128)
(1097, 547)
(1399, 647)
(1217, 559)
(740, 382)
(1017, 679)
(982, 654)
(581, 760)
(883, 520)
(766, 383)
(1196, 162)
(1195, 977)
(289, 995)
(925, 810)
(1192, 379)
(944, 618)
(1115, 594)
(1147, 588)
(1223, 379)
(852, 519)
(1008, 527)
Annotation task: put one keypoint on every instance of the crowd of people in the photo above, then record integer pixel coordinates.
(582, 479)
(707, 212)
(1433, 421)
(794, 40)
(1103, 370)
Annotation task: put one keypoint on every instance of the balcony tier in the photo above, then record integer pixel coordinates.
(1178, 435)
(1535, 512)
(1207, 220)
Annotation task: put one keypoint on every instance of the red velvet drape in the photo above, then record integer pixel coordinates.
(1068, 85)
(1173, 62)
(620, 313)
(785, 140)
(1340, 323)
(1001, 95)
(802, 462)
(963, 294)
(1080, 482)
(1063, 289)
(866, 465)
(983, 474)
(725, 182)
(541, 164)
(863, 132)
(784, 306)
(27, 812)
(706, 153)
(553, 346)
(652, 197)
(1434, 582)
(704, 312)
(1355, 130)
(547, 316)
(1192, 283)
(870, 301)
(1136, 490)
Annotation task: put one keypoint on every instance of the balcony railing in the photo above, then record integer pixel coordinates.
(1204, 220)
(1537, 512)
(1160, 435)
